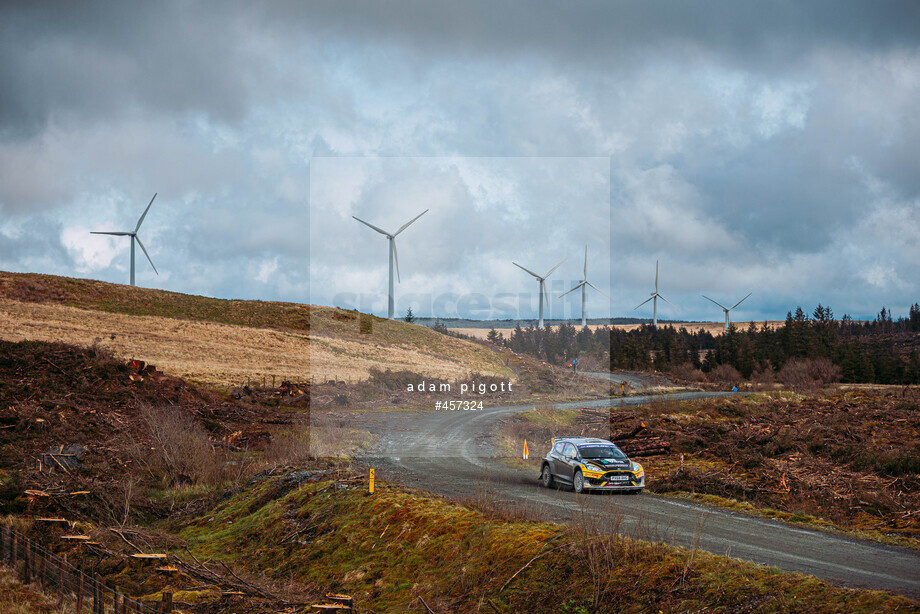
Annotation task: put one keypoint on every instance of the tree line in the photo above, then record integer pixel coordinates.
(884, 350)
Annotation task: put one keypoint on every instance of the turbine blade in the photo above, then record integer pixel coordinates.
(555, 267)
(546, 295)
(146, 254)
(716, 302)
(528, 270)
(586, 262)
(596, 288)
(741, 301)
(643, 302)
(383, 232)
(144, 214)
(576, 287)
(117, 234)
(656, 276)
(406, 225)
(667, 301)
(396, 259)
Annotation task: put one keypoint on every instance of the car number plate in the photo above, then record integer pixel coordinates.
(619, 478)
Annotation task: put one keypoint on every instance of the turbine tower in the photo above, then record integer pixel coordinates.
(391, 236)
(583, 284)
(542, 290)
(134, 238)
(727, 309)
(654, 298)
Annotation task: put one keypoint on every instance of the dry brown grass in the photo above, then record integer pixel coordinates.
(228, 355)
(333, 437)
(17, 598)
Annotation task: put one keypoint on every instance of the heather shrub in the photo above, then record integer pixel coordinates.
(687, 372)
(725, 374)
(808, 373)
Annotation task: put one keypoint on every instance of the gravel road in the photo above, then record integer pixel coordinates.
(450, 453)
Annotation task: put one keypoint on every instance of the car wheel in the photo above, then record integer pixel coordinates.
(547, 477)
(579, 482)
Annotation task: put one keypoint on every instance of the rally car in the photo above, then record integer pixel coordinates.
(589, 463)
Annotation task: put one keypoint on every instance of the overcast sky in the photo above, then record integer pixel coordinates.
(771, 148)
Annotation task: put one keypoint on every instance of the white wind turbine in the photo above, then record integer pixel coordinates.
(654, 298)
(134, 238)
(583, 284)
(391, 236)
(727, 309)
(542, 290)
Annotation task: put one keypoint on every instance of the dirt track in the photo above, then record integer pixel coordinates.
(450, 453)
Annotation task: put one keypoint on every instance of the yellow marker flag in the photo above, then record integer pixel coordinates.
(526, 454)
(370, 486)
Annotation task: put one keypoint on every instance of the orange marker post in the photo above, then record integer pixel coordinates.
(370, 485)
(526, 453)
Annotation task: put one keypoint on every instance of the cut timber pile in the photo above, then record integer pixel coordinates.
(646, 446)
(614, 425)
(641, 446)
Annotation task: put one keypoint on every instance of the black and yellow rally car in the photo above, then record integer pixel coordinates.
(589, 463)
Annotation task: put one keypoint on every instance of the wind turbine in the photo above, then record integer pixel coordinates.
(542, 290)
(654, 298)
(583, 284)
(134, 238)
(391, 236)
(727, 309)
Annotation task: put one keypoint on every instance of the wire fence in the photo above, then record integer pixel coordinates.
(56, 577)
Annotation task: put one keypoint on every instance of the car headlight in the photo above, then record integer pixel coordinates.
(637, 469)
(591, 471)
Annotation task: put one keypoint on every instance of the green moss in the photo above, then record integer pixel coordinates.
(193, 597)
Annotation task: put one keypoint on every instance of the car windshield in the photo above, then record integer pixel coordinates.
(601, 452)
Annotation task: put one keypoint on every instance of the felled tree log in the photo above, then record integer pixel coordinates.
(652, 446)
(631, 434)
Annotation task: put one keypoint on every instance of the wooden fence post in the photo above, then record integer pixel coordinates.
(27, 566)
(60, 585)
(41, 569)
(14, 547)
(80, 592)
(97, 596)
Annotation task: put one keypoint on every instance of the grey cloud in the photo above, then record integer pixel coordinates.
(92, 60)
(33, 245)
(88, 61)
(607, 34)
(746, 140)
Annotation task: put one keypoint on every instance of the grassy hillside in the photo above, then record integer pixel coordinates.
(128, 300)
(395, 549)
(229, 342)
